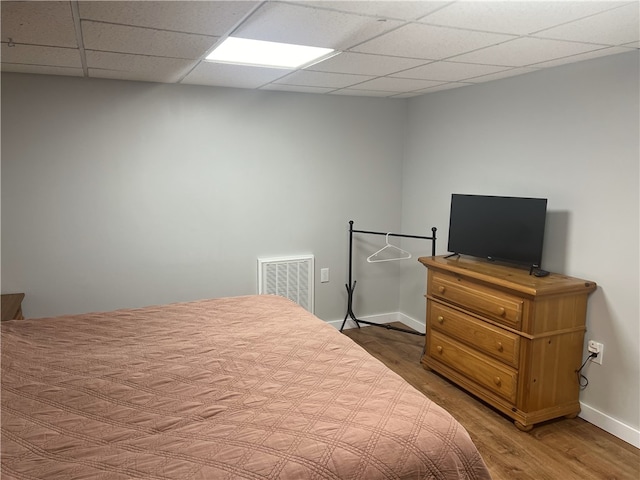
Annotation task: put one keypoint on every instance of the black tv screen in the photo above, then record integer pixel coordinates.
(509, 229)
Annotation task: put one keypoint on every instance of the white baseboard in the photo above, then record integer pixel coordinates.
(611, 425)
(601, 420)
(381, 319)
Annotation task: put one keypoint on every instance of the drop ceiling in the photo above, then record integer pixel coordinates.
(393, 49)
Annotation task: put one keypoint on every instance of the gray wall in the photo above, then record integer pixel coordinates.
(569, 134)
(124, 194)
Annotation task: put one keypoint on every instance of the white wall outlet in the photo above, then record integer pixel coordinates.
(596, 347)
(324, 275)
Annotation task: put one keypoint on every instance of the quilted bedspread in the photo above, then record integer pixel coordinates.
(248, 387)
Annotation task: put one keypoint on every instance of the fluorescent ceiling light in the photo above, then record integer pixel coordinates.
(243, 51)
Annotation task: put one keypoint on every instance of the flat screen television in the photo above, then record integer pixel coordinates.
(508, 229)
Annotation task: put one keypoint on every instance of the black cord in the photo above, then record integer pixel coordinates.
(581, 377)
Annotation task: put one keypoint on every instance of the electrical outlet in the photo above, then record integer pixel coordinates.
(596, 347)
(324, 275)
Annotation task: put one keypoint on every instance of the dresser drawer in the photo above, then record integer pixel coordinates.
(494, 341)
(474, 365)
(494, 304)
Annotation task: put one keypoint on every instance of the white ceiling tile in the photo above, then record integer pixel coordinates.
(322, 79)
(296, 88)
(446, 86)
(516, 17)
(280, 22)
(507, 73)
(401, 10)
(428, 42)
(240, 76)
(118, 38)
(123, 75)
(449, 71)
(525, 51)
(390, 84)
(362, 93)
(583, 56)
(157, 69)
(614, 27)
(365, 64)
(407, 95)
(38, 23)
(207, 18)
(37, 55)
(632, 44)
(42, 70)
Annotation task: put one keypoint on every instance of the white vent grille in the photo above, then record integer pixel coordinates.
(290, 277)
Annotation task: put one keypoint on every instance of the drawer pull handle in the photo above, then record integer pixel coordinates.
(500, 347)
(441, 289)
(439, 349)
(501, 311)
(497, 381)
(440, 319)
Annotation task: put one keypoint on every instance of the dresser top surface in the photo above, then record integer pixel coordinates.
(512, 278)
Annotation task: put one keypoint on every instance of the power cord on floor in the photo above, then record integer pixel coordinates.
(582, 380)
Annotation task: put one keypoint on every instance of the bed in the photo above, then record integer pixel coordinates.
(251, 387)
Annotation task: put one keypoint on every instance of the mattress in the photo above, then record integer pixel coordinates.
(251, 387)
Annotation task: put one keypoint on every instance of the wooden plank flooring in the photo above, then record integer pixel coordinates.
(556, 450)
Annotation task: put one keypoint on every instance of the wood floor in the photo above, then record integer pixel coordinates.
(557, 450)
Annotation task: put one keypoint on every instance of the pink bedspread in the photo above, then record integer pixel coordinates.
(235, 388)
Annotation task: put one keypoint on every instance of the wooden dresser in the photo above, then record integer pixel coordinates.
(512, 339)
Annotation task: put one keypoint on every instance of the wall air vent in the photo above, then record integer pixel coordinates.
(290, 277)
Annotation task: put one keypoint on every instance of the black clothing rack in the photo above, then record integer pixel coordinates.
(351, 286)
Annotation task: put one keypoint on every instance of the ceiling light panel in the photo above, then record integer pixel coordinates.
(244, 51)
